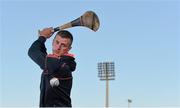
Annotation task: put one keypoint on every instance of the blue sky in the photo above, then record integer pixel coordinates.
(141, 37)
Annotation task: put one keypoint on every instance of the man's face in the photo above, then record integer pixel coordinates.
(61, 45)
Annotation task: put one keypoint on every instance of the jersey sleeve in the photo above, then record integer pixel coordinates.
(37, 52)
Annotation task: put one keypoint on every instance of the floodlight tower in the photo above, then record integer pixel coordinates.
(106, 72)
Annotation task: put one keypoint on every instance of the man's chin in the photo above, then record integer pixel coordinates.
(57, 54)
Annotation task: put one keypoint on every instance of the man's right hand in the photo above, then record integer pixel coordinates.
(46, 32)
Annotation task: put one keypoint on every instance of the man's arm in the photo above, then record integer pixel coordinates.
(67, 66)
(69, 61)
(37, 51)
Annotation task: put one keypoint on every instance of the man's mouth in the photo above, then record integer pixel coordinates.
(58, 50)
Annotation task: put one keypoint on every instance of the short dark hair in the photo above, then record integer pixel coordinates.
(65, 34)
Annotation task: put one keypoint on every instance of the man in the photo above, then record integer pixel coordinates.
(56, 78)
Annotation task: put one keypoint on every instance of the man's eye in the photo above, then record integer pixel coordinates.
(63, 45)
(57, 42)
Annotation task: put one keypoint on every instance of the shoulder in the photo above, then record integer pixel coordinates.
(68, 56)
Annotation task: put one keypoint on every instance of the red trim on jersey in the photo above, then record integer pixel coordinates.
(68, 54)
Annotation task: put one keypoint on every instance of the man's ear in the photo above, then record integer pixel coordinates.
(67, 50)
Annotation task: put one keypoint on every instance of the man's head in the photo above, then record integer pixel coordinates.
(62, 42)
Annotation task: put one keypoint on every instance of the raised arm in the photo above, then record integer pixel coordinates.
(37, 51)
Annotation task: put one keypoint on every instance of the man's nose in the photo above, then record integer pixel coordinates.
(59, 46)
